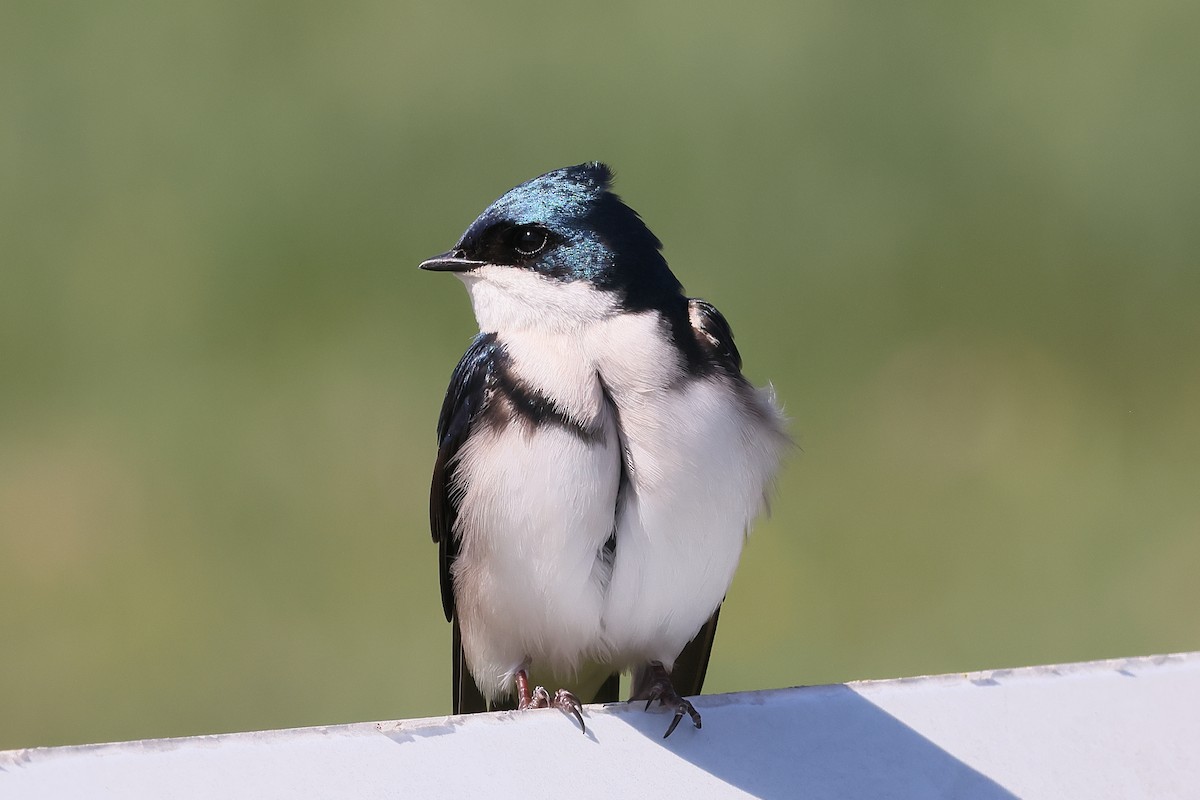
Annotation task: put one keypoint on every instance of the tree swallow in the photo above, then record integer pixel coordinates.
(600, 458)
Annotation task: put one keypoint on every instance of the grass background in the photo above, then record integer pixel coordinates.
(961, 239)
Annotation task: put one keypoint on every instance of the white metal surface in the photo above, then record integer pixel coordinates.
(1112, 729)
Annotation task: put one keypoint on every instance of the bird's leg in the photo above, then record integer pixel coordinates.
(540, 698)
(658, 687)
(525, 698)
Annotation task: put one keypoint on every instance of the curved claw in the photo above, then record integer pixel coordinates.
(683, 706)
(570, 703)
(674, 722)
(539, 698)
(660, 689)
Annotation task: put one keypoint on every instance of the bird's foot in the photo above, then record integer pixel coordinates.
(659, 688)
(540, 698)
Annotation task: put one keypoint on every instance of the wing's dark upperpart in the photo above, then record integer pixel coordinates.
(714, 335)
(467, 697)
(465, 401)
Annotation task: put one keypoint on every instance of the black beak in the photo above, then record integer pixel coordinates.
(451, 261)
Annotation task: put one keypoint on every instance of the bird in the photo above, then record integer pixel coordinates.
(601, 459)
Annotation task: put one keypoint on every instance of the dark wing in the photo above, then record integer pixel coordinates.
(467, 697)
(465, 400)
(688, 675)
(714, 335)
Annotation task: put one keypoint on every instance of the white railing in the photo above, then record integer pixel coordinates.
(1109, 729)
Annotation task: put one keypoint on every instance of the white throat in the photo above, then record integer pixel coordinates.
(509, 299)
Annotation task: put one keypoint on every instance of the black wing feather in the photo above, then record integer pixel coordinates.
(692, 664)
(465, 401)
(714, 335)
(467, 697)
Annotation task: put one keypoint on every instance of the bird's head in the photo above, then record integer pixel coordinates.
(559, 251)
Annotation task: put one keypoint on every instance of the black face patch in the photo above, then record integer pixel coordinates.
(513, 245)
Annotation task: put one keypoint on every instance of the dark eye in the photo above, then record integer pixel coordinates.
(529, 240)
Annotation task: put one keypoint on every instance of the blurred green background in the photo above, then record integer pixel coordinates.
(961, 239)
